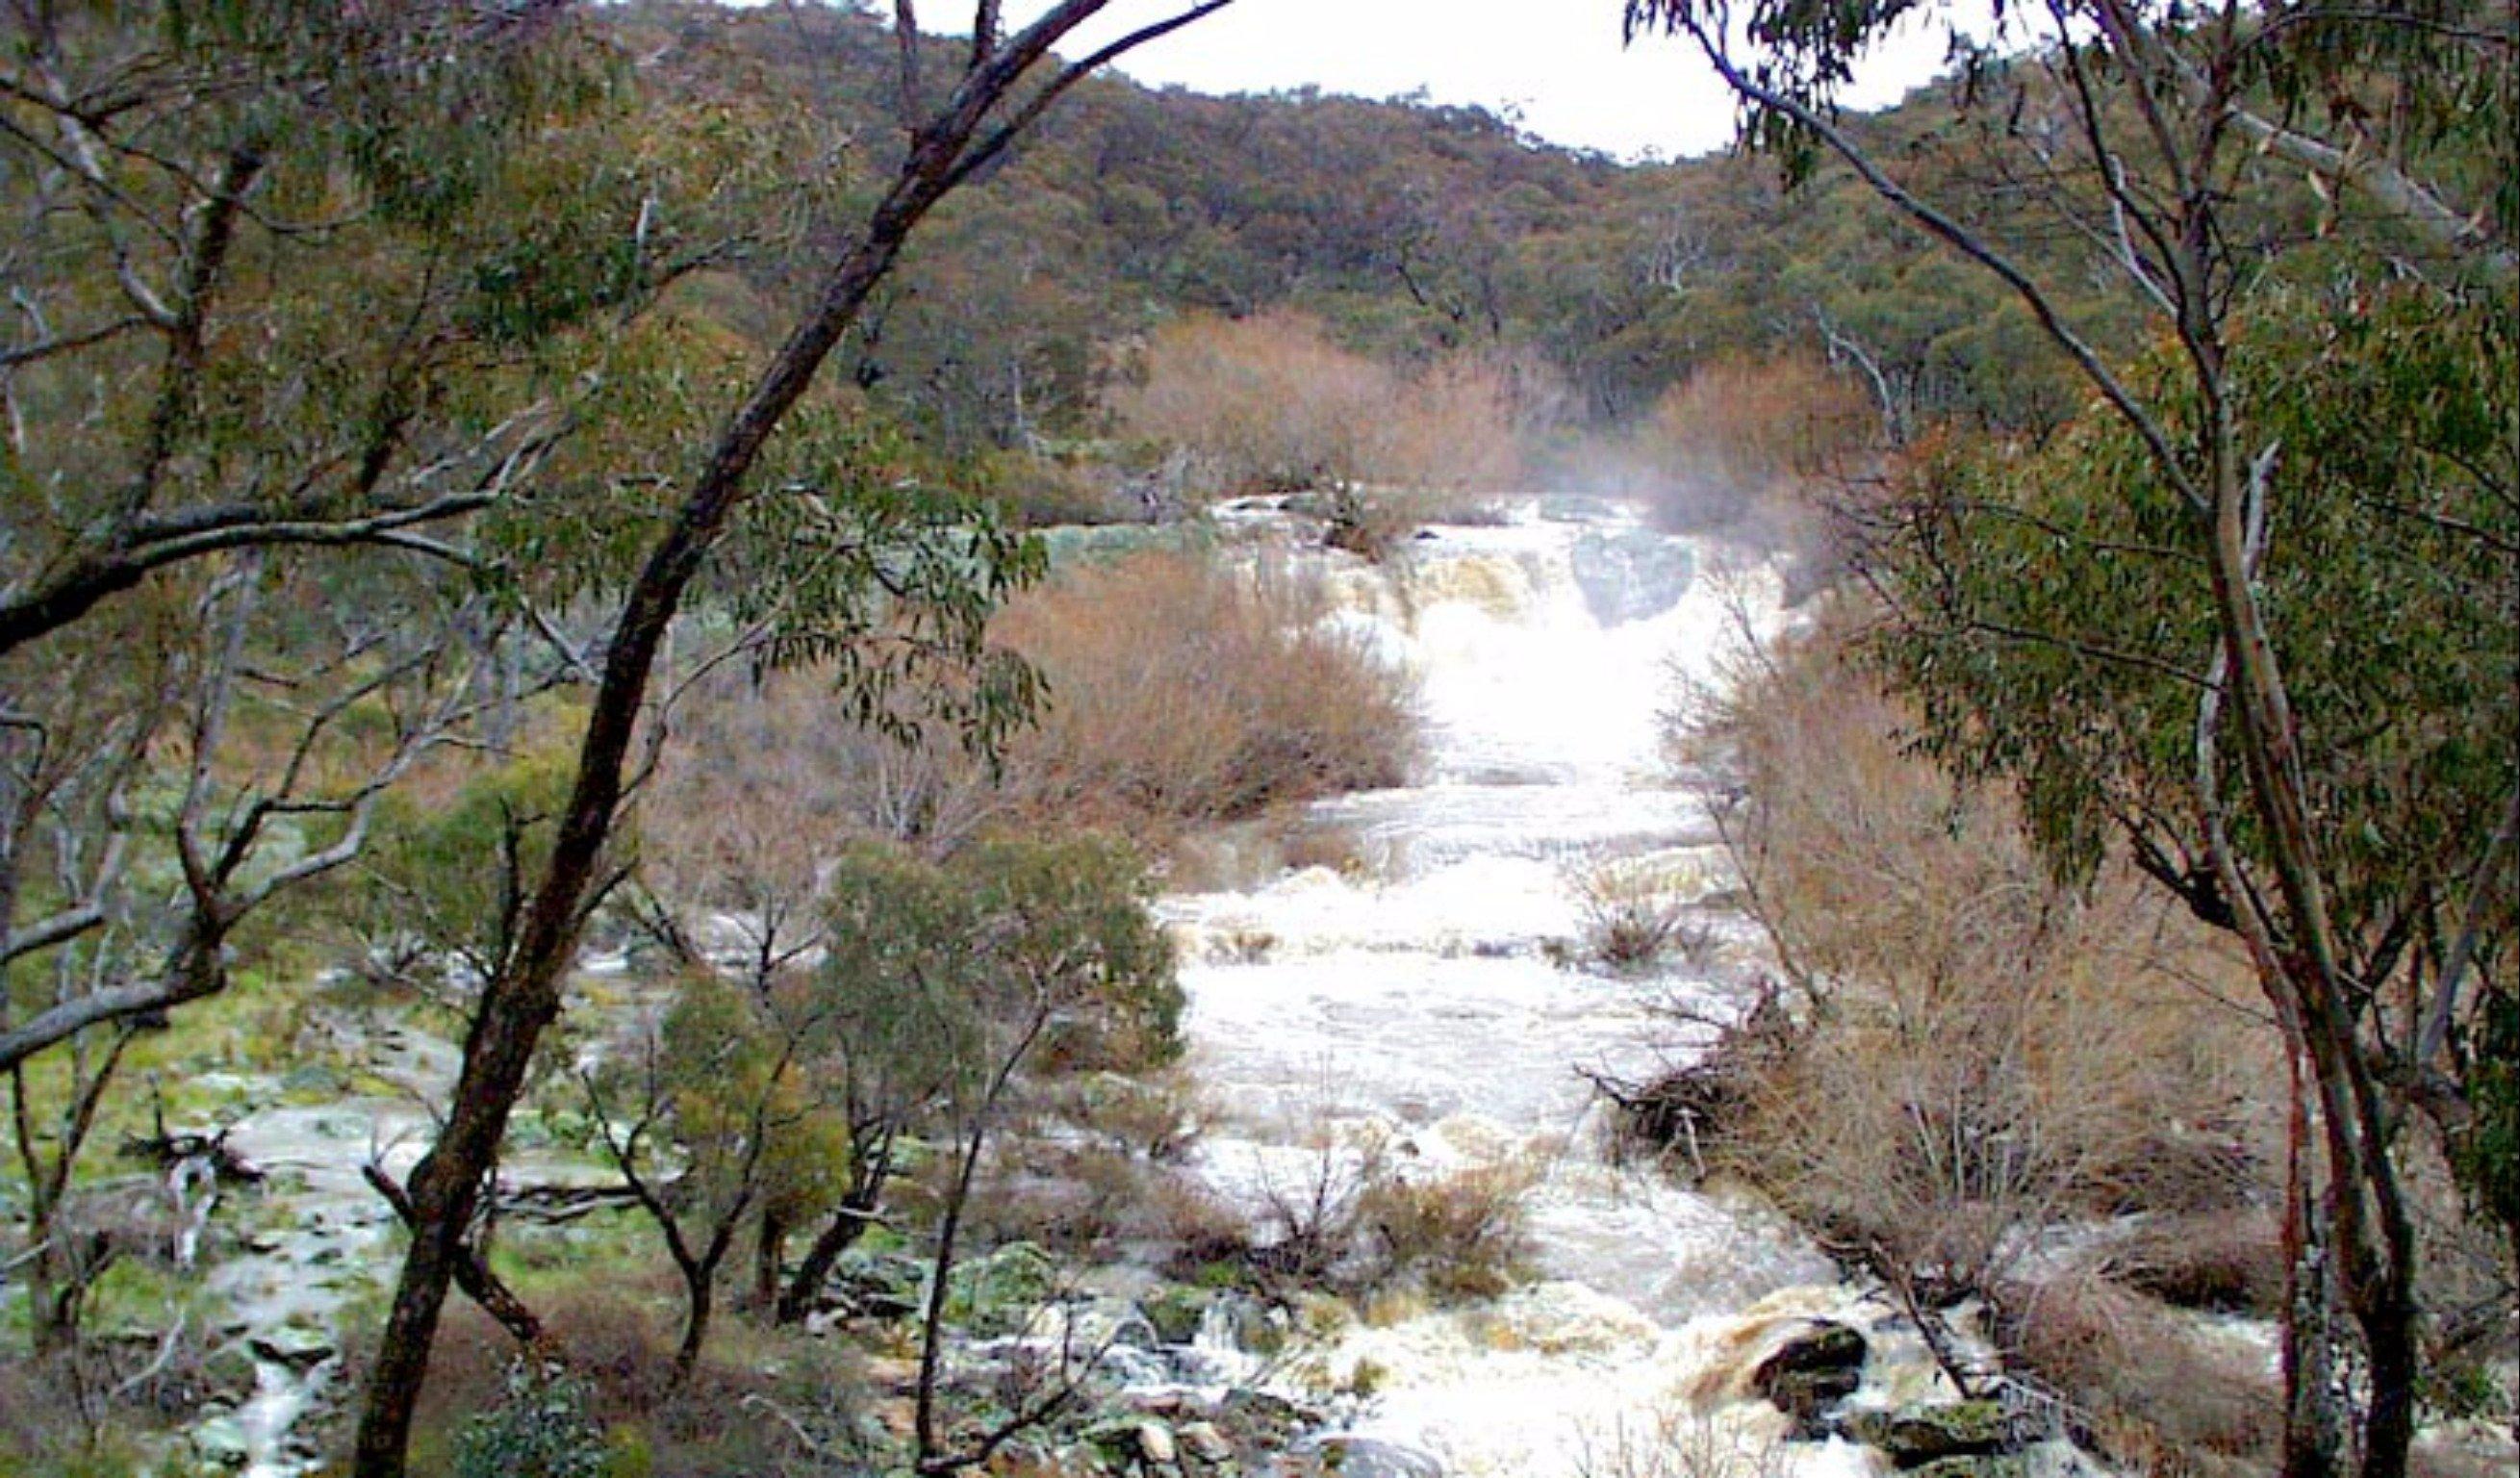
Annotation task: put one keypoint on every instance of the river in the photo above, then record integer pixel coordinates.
(1417, 996)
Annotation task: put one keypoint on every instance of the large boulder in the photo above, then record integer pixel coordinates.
(1176, 1311)
(997, 1294)
(301, 1347)
(220, 1444)
(1812, 1372)
(1915, 1436)
(1985, 1466)
(1367, 1458)
(878, 1285)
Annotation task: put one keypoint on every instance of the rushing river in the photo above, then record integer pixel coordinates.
(1410, 997)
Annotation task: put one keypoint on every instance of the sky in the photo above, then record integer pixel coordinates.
(1554, 66)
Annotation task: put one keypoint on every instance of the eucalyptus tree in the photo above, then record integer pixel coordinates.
(247, 296)
(308, 352)
(2194, 676)
(708, 1114)
(882, 602)
(1043, 955)
(199, 752)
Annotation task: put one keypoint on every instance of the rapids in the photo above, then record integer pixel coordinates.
(1408, 997)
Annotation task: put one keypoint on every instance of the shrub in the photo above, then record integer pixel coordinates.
(1679, 1442)
(43, 1433)
(2143, 1387)
(1180, 691)
(760, 1404)
(539, 1429)
(1312, 1210)
(1990, 1048)
(1960, 1053)
(1042, 492)
(1462, 1236)
(1633, 915)
(1096, 1164)
(2227, 1261)
(1270, 404)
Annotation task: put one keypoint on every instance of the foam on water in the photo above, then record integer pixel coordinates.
(1405, 1006)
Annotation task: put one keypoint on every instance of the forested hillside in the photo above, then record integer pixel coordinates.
(1410, 232)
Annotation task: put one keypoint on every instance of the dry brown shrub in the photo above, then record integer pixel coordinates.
(1269, 403)
(2151, 1391)
(98, 1413)
(1990, 1053)
(1460, 1235)
(1633, 916)
(2226, 1260)
(1456, 427)
(1094, 1163)
(1181, 691)
(759, 1404)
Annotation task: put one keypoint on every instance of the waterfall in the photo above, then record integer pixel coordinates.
(1409, 1000)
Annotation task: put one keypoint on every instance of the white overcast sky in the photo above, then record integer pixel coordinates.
(1557, 66)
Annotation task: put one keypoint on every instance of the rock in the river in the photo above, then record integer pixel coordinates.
(1914, 1436)
(996, 1294)
(1176, 1310)
(1812, 1372)
(1133, 1445)
(220, 1443)
(1631, 575)
(1985, 1465)
(1263, 1421)
(297, 1346)
(1205, 1443)
(1369, 1457)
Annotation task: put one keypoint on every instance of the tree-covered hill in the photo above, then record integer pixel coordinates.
(1412, 231)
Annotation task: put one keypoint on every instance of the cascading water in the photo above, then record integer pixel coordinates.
(1410, 1001)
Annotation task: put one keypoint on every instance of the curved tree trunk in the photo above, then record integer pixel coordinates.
(946, 147)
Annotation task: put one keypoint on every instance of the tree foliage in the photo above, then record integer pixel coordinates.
(2068, 628)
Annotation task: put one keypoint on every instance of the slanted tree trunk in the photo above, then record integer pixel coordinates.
(699, 1282)
(849, 1221)
(946, 146)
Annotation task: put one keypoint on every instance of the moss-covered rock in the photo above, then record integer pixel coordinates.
(1812, 1371)
(1985, 1465)
(879, 1285)
(997, 1294)
(1176, 1311)
(1915, 1436)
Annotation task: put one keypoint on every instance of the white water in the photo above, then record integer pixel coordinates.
(1408, 998)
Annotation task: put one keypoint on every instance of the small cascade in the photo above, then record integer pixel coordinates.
(1414, 1003)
